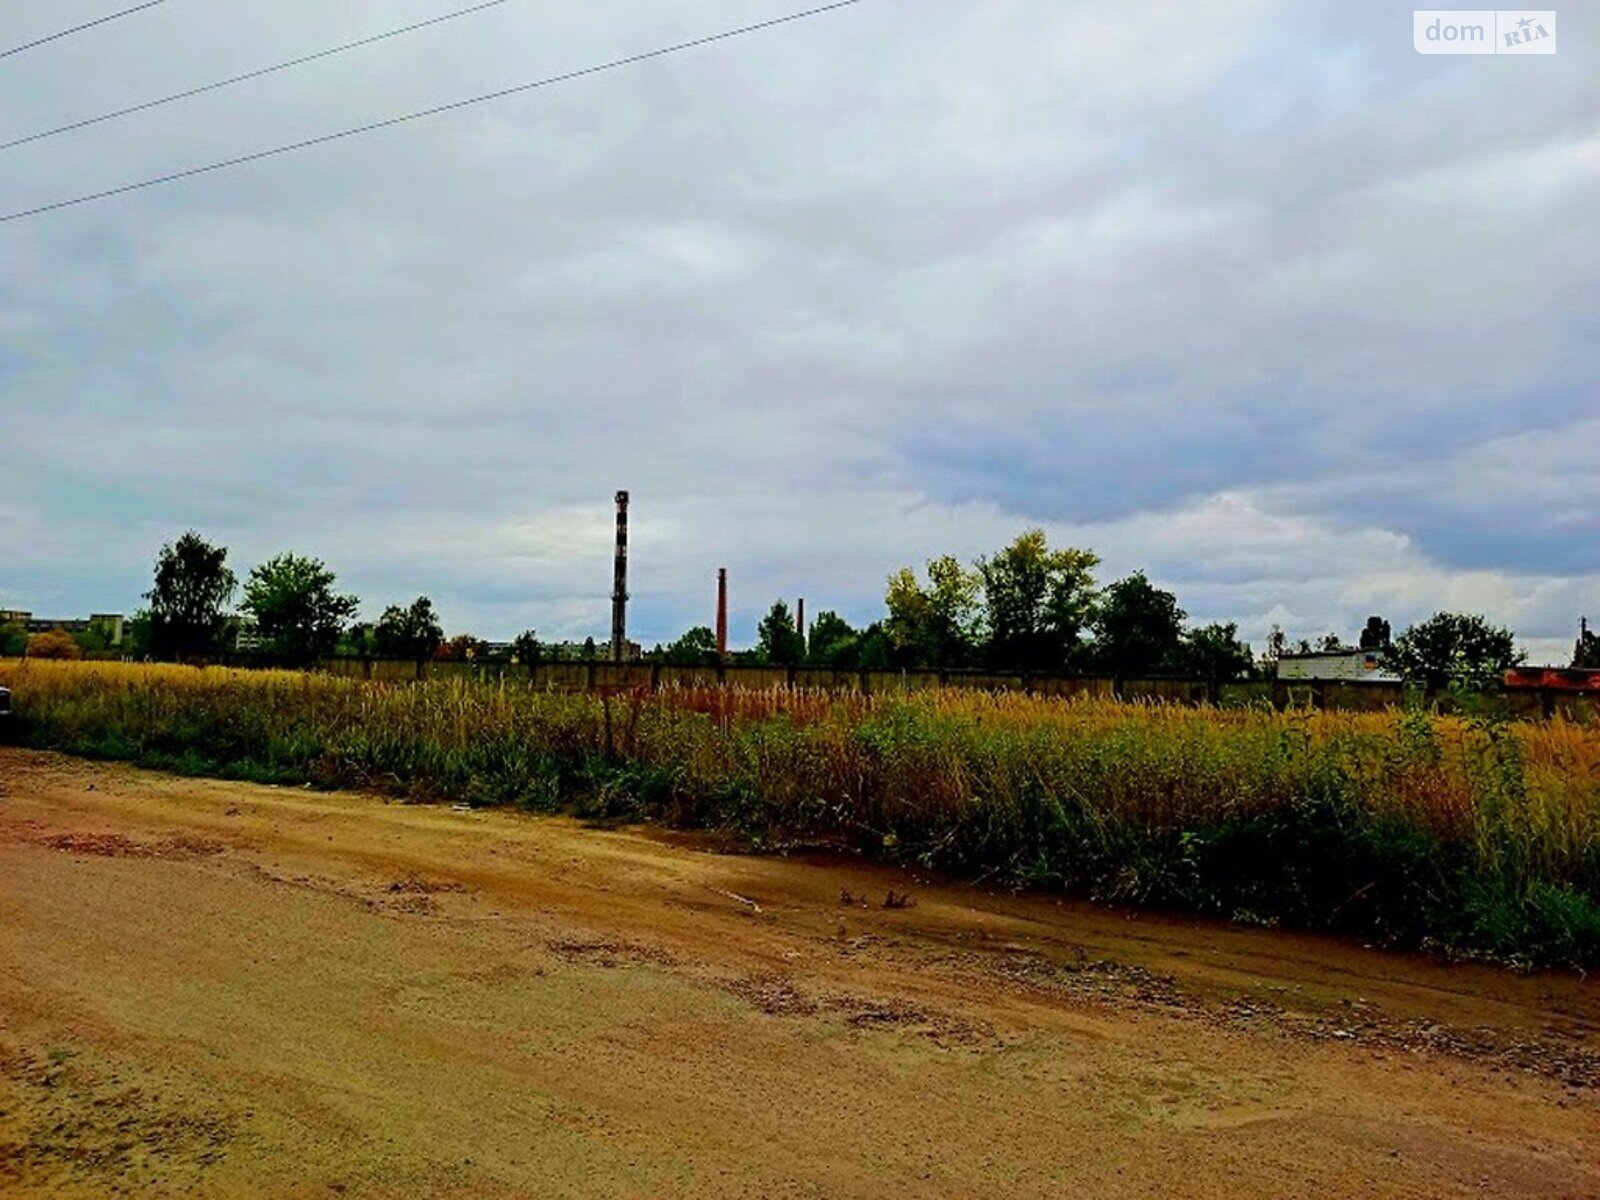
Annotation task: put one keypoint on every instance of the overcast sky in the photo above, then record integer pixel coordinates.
(1248, 294)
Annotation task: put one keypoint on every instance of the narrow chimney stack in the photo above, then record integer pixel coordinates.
(619, 582)
(722, 612)
(800, 617)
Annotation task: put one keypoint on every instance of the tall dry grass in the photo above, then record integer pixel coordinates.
(1467, 833)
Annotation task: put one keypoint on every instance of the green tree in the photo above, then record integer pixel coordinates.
(1215, 652)
(525, 648)
(13, 639)
(874, 649)
(953, 626)
(359, 641)
(905, 626)
(834, 642)
(94, 640)
(696, 648)
(412, 633)
(298, 614)
(1586, 650)
(777, 639)
(933, 625)
(1138, 628)
(1461, 649)
(1375, 634)
(192, 584)
(138, 635)
(1277, 644)
(1037, 602)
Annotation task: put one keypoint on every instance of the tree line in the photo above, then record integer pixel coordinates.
(291, 604)
(1026, 608)
(1032, 608)
(291, 612)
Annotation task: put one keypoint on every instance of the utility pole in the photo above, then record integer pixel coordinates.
(722, 612)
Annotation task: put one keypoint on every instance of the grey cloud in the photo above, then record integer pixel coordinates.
(839, 297)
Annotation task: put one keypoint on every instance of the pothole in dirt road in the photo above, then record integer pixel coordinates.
(1082, 976)
(415, 895)
(500, 974)
(1553, 1057)
(943, 1029)
(409, 895)
(116, 845)
(609, 953)
(1106, 982)
(774, 996)
(414, 885)
(1557, 1055)
(777, 996)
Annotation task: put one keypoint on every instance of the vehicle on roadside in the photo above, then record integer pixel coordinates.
(5, 703)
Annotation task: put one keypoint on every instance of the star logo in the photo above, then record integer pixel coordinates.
(1524, 23)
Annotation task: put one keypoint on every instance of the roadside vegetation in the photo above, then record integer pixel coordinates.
(1468, 835)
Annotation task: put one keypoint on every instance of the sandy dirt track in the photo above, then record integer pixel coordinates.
(214, 989)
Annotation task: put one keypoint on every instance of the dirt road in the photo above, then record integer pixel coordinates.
(229, 990)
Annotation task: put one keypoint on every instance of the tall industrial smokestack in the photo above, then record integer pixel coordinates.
(619, 588)
(800, 618)
(722, 612)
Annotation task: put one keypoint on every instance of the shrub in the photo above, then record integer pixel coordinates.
(56, 643)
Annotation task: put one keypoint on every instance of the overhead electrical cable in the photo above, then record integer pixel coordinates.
(372, 127)
(56, 37)
(248, 75)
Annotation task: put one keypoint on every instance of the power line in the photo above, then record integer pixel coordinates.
(428, 112)
(248, 75)
(55, 37)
